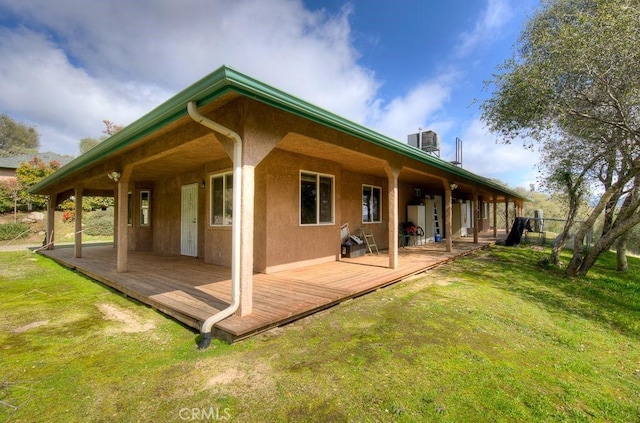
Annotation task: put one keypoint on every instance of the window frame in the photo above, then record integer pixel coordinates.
(379, 205)
(224, 176)
(318, 209)
(142, 208)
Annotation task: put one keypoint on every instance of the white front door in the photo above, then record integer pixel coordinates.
(189, 221)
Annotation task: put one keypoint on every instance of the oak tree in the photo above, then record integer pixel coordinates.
(573, 86)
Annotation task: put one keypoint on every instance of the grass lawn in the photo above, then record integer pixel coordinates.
(491, 337)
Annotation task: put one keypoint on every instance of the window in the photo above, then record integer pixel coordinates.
(485, 210)
(129, 209)
(145, 211)
(316, 199)
(221, 199)
(371, 204)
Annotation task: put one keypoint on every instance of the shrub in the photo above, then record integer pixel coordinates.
(68, 216)
(99, 223)
(10, 231)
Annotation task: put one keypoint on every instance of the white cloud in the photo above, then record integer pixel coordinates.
(67, 65)
(403, 115)
(483, 155)
(38, 84)
(495, 16)
(117, 60)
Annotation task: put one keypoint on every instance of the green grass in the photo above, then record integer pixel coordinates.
(491, 337)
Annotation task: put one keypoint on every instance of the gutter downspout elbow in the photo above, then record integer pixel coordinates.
(205, 330)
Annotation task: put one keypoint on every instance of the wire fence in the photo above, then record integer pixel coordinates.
(546, 230)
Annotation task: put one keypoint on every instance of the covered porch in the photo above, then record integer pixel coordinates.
(190, 291)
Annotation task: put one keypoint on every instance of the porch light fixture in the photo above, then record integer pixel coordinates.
(453, 186)
(114, 176)
(202, 184)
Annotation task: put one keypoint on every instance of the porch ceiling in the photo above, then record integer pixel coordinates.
(351, 160)
(186, 157)
(354, 161)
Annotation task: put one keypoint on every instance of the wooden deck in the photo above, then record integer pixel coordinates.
(191, 291)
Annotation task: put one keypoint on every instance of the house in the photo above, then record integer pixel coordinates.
(9, 165)
(243, 175)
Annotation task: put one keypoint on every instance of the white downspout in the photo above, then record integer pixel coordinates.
(205, 330)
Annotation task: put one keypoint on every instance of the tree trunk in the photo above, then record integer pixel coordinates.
(621, 253)
(603, 244)
(579, 265)
(561, 240)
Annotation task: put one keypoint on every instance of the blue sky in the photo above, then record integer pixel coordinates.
(394, 66)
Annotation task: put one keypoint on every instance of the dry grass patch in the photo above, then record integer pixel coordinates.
(130, 322)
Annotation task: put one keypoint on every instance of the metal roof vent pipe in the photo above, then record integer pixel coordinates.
(205, 330)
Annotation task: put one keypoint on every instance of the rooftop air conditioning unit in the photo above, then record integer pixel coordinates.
(430, 142)
(413, 140)
(427, 141)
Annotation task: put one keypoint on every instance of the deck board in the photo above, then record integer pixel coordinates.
(190, 291)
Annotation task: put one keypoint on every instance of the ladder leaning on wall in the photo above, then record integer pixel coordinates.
(367, 235)
(436, 223)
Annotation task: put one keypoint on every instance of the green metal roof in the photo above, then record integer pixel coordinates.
(226, 79)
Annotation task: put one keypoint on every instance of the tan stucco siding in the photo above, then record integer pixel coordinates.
(143, 237)
(166, 212)
(287, 241)
(351, 205)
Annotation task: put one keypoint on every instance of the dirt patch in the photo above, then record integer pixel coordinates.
(238, 377)
(32, 325)
(226, 377)
(423, 280)
(132, 323)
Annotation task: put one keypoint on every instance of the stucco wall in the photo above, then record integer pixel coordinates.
(286, 240)
(140, 238)
(217, 239)
(166, 212)
(351, 205)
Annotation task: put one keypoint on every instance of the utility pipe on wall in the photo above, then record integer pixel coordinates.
(205, 330)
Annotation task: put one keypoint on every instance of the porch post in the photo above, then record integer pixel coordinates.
(506, 213)
(495, 216)
(77, 242)
(448, 220)
(115, 218)
(476, 212)
(392, 181)
(122, 243)
(51, 221)
(246, 240)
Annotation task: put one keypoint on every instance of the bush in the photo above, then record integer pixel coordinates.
(68, 216)
(11, 231)
(99, 223)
